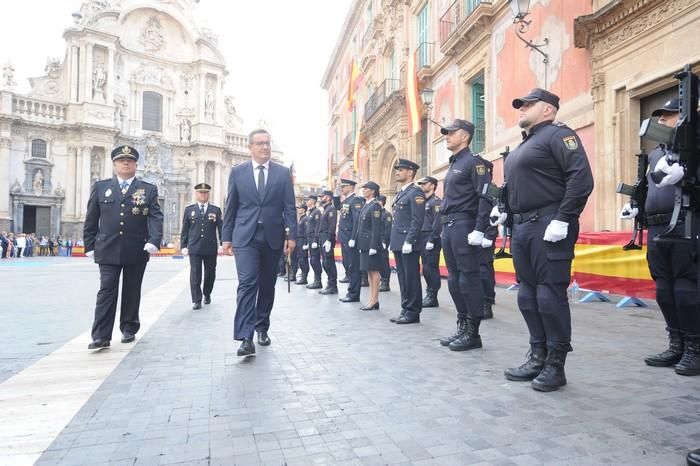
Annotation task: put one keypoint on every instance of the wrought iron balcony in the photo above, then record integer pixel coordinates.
(455, 15)
(382, 94)
(425, 55)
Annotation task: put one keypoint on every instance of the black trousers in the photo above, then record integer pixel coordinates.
(302, 259)
(106, 306)
(462, 261)
(430, 261)
(196, 262)
(351, 262)
(488, 274)
(408, 274)
(674, 270)
(543, 270)
(329, 264)
(315, 262)
(385, 273)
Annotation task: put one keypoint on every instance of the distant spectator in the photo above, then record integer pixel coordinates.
(21, 244)
(69, 247)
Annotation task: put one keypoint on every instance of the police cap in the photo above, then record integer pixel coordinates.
(202, 188)
(672, 106)
(428, 179)
(536, 95)
(373, 186)
(125, 152)
(327, 192)
(347, 182)
(466, 125)
(381, 198)
(311, 196)
(404, 163)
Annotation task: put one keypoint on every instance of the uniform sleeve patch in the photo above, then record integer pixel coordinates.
(570, 142)
(420, 199)
(377, 214)
(480, 170)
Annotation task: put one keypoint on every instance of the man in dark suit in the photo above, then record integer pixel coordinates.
(259, 209)
(198, 239)
(123, 226)
(326, 239)
(406, 240)
(347, 226)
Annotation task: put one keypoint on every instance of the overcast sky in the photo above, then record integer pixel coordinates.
(276, 55)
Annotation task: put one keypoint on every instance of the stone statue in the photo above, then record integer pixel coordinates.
(38, 182)
(99, 80)
(185, 130)
(209, 104)
(8, 75)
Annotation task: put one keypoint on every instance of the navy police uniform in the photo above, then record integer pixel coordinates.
(409, 212)
(302, 254)
(119, 223)
(312, 224)
(347, 224)
(486, 257)
(430, 259)
(326, 232)
(369, 236)
(387, 221)
(201, 235)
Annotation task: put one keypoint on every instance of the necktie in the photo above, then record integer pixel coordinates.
(124, 186)
(201, 210)
(261, 180)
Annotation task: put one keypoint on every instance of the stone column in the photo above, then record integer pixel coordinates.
(82, 75)
(202, 94)
(5, 182)
(16, 220)
(88, 71)
(111, 78)
(73, 73)
(218, 184)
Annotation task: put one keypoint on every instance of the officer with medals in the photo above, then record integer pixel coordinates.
(201, 223)
(326, 238)
(549, 181)
(406, 240)
(303, 251)
(347, 224)
(464, 217)
(430, 256)
(313, 220)
(387, 220)
(123, 227)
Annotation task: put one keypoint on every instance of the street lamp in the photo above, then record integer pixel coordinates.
(426, 95)
(521, 9)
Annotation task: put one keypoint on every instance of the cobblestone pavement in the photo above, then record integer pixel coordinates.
(337, 385)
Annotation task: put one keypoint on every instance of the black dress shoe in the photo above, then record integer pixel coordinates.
(197, 305)
(372, 307)
(98, 345)
(128, 338)
(263, 339)
(207, 299)
(349, 299)
(329, 290)
(405, 319)
(344, 280)
(247, 347)
(693, 458)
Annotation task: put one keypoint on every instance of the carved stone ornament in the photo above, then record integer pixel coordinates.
(598, 87)
(53, 68)
(151, 37)
(148, 73)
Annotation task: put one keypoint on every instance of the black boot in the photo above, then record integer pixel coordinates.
(331, 288)
(315, 285)
(301, 281)
(552, 376)
(470, 339)
(461, 327)
(693, 458)
(690, 362)
(384, 285)
(672, 355)
(430, 299)
(488, 310)
(532, 367)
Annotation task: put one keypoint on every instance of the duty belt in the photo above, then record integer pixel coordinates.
(533, 215)
(451, 218)
(663, 219)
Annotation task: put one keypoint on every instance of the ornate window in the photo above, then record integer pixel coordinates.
(39, 148)
(152, 118)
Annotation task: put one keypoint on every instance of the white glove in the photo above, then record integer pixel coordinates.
(305, 247)
(674, 172)
(429, 246)
(90, 253)
(628, 213)
(556, 231)
(351, 243)
(496, 217)
(372, 252)
(220, 250)
(384, 246)
(186, 251)
(407, 248)
(149, 248)
(475, 238)
(486, 243)
(314, 245)
(327, 246)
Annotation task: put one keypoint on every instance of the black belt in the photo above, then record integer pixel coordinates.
(533, 215)
(663, 219)
(451, 218)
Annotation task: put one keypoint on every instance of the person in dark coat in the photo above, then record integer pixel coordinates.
(303, 251)
(387, 220)
(200, 238)
(123, 227)
(369, 242)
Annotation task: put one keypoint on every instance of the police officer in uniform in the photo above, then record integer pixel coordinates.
(326, 238)
(303, 251)
(368, 238)
(387, 220)
(430, 256)
(123, 226)
(313, 220)
(406, 240)
(200, 225)
(347, 224)
(671, 265)
(486, 258)
(549, 181)
(464, 218)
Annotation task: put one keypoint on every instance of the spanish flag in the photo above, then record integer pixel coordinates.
(412, 102)
(354, 80)
(356, 152)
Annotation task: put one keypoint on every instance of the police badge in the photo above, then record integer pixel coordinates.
(570, 142)
(135, 211)
(212, 217)
(108, 192)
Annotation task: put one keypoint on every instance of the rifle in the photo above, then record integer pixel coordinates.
(638, 197)
(681, 146)
(499, 196)
(288, 261)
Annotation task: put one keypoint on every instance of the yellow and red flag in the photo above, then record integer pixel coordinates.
(353, 81)
(412, 102)
(356, 152)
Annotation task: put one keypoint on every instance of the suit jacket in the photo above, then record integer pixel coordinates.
(409, 212)
(117, 225)
(199, 231)
(244, 207)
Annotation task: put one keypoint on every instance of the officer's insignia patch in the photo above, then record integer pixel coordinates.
(145, 211)
(480, 170)
(135, 211)
(377, 214)
(420, 200)
(570, 142)
(212, 217)
(193, 213)
(108, 192)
